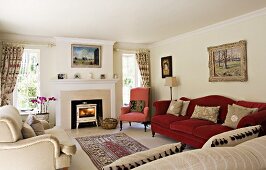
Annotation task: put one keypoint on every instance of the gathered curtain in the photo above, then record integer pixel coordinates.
(143, 60)
(10, 65)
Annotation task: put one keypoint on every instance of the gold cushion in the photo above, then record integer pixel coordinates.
(206, 113)
(175, 107)
(234, 115)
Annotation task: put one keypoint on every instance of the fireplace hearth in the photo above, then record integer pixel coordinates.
(85, 113)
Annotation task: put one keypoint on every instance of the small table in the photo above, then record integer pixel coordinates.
(42, 116)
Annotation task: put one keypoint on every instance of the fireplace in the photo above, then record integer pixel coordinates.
(85, 113)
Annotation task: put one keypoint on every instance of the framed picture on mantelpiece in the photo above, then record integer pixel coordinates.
(166, 66)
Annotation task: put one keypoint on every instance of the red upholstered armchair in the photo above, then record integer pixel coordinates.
(136, 94)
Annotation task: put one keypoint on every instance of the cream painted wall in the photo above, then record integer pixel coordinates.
(190, 62)
(119, 50)
(63, 58)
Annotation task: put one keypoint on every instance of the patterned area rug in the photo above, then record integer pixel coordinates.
(105, 149)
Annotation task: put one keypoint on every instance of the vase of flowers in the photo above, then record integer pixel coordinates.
(43, 103)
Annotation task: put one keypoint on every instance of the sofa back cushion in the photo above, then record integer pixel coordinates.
(261, 106)
(10, 124)
(210, 101)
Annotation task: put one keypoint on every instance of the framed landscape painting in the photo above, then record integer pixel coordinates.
(228, 62)
(85, 56)
(166, 65)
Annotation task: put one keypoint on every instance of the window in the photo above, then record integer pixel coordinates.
(27, 86)
(131, 75)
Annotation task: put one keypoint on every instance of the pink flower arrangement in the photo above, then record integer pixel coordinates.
(43, 103)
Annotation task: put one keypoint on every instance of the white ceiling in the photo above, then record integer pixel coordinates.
(136, 21)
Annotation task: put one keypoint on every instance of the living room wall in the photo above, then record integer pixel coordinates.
(190, 60)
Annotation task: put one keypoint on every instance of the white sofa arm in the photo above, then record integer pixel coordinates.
(38, 140)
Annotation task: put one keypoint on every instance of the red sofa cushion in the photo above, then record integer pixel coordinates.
(206, 132)
(167, 119)
(212, 100)
(261, 106)
(187, 126)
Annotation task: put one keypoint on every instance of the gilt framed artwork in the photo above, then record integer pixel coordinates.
(85, 56)
(166, 65)
(228, 62)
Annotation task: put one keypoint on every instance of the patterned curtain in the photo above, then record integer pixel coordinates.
(10, 65)
(143, 59)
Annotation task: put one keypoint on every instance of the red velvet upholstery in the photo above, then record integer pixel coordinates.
(167, 119)
(187, 126)
(196, 132)
(206, 132)
(140, 93)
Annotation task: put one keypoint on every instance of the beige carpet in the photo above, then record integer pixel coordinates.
(81, 161)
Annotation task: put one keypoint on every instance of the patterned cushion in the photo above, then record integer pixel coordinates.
(206, 113)
(252, 110)
(175, 108)
(184, 108)
(234, 115)
(140, 158)
(137, 105)
(35, 124)
(233, 137)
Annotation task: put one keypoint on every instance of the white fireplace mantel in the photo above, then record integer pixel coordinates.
(62, 85)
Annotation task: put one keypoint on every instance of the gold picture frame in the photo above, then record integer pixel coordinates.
(228, 62)
(85, 56)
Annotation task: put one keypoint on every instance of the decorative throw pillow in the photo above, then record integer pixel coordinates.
(184, 108)
(27, 131)
(175, 107)
(35, 124)
(206, 113)
(234, 115)
(137, 105)
(233, 137)
(140, 158)
(252, 110)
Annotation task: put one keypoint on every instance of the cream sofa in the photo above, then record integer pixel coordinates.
(53, 150)
(250, 155)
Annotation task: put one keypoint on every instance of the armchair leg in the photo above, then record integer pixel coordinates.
(145, 126)
(121, 124)
(129, 123)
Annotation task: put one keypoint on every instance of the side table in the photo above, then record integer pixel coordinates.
(42, 116)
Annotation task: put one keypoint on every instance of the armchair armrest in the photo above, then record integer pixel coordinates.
(258, 118)
(161, 106)
(146, 113)
(37, 141)
(125, 109)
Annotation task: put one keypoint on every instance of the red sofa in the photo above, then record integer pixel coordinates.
(196, 132)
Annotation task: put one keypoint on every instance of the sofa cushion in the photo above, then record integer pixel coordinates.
(175, 107)
(212, 100)
(35, 124)
(261, 106)
(166, 120)
(133, 117)
(233, 137)
(206, 113)
(137, 105)
(66, 144)
(234, 115)
(187, 126)
(205, 132)
(27, 131)
(252, 110)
